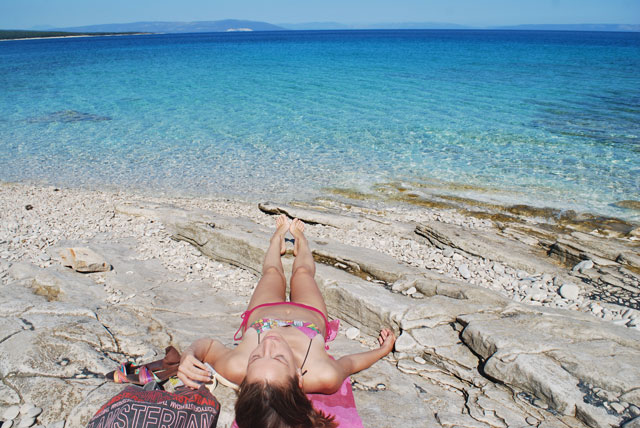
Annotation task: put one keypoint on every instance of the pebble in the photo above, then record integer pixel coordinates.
(26, 407)
(464, 271)
(411, 291)
(26, 422)
(569, 291)
(34, 412)
(457, 257)
(539, 403)
(381, 387)
(617, 407)
(531, 420)
(419, 360)
(634, 410)
(352, 333)
(448, 252)
(11, 413)
(583, 265)
(418, 295)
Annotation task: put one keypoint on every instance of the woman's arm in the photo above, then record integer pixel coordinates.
(192, 371)
(353, 363)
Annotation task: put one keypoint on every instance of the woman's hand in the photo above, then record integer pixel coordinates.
(192, 372)
(386, 340)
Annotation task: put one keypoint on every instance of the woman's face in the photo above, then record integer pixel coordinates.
(272, 360)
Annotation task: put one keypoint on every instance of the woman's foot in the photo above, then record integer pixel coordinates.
(282, 225)
(297, 230)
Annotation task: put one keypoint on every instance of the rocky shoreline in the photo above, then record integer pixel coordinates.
(506, 317)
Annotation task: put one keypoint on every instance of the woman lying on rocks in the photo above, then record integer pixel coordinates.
(275, 364)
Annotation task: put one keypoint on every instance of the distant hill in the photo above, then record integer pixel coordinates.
(374, 26)
(317, 26)
(244, 25)
(24, 34)
(573, 27)
(179, 27)
(416, 26)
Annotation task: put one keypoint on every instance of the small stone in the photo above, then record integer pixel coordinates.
(26, 422)
(537, 294)
(634, 411)
(352, 333)
(464, 271)
(583, 265)
(28, 207)
(419, 360)
(34, 412)
(521, 274)
(11, 413)
(84, 260)
(418, 295)
(448, 252)
(64, 362)
(405, 343)
(617, 407)
(539, 403)
(569, 291)
(25, 408)
(411, 290)
(381, 387)
(498, 268)
(531, 420)
(457, 257)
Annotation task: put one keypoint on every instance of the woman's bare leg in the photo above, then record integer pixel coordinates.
(273, 284)
(304, 288)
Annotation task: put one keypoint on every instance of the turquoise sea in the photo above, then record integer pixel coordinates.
(541, 118)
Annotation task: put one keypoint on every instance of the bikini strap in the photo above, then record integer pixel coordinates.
(305, 358)
(243, 325)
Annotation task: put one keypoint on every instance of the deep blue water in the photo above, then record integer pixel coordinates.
(545, 118)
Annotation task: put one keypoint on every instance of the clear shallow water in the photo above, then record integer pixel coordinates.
(544, 118)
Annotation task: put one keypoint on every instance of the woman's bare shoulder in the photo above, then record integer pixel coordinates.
(233, 366)
(326, 376)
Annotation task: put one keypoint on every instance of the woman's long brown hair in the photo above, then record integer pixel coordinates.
(261, 405)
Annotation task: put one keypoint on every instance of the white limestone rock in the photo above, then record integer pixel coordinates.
(463, 269)
(352, 333)
(498, 268)
(11, 413)
(569, 291)
(406, 343)
(84, 260)
(633, 423)
(26, 422)
(583, 265)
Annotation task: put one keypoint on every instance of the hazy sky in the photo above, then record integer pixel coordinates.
(64, 13)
